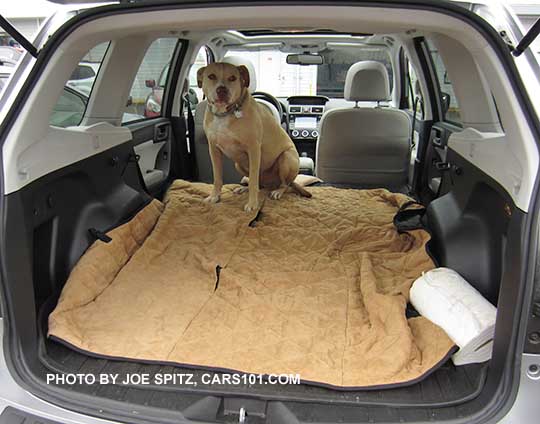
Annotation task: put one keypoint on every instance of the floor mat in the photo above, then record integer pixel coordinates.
(316, 287)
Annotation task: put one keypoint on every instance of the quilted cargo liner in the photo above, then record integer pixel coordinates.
(316, 287)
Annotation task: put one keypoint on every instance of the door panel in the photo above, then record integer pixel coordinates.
(148, 153)
(152, 140)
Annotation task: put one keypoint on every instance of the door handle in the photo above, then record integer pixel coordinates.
(161, 132)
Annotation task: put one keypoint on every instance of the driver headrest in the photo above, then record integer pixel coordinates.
(239, 60)
(367, 81)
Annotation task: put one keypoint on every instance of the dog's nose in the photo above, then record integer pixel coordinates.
(222, 90)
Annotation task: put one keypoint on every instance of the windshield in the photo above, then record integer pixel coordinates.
(280, 79)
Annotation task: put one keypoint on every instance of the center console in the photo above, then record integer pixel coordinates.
(305, 113)
(304, 116)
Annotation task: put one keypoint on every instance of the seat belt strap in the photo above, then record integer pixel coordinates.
(415, 106)
(191, 138)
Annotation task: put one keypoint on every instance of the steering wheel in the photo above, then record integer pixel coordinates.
(271, 99)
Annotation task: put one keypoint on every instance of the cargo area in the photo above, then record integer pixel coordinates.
(441, 393)
(308, 286)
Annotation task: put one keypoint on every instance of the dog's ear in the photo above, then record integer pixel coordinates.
(244, 75)
(200, 73)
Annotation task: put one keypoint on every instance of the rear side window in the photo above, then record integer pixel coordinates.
(448, 99)
(71, 105)
(414, 99)
(201, 61)
(83, 72)
(150, 83)
(69, 109)
(3, 81)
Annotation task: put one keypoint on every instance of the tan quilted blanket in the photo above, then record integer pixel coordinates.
(313, 286)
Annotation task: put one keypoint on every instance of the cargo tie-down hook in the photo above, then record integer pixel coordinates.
(242, 415)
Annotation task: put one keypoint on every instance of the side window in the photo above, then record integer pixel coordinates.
(413, 92)
(69, 109)
(201, 60)
(150, 82)
(83, 71)
(448, 99)
(71, 105)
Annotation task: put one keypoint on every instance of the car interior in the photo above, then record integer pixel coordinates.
(416, 102)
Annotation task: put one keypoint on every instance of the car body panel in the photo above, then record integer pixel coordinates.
(12, 394)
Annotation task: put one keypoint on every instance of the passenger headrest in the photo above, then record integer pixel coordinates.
(239, 60)
(367, 81)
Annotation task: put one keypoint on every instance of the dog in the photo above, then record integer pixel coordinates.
(246, 132)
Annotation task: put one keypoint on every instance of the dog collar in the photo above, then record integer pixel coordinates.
(235, 108)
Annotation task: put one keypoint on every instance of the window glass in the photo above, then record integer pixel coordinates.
(200, 61)
(3, 81)
(69, 109)
(448, 98)
(414, 101)
(277, 77)
(414, 93)
(83, 71)
(71, 105)
(150, 82)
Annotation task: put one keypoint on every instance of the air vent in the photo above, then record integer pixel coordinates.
(295, 109)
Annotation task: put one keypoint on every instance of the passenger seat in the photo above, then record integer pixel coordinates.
(365, 146)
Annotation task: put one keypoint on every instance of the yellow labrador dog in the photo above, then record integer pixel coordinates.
(247, 133)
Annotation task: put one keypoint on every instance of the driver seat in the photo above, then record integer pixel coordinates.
(204, 163)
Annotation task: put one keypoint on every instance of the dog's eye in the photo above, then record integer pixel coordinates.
(212, 76)
(232, 78)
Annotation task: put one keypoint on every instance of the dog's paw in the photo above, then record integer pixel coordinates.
(276, 194)
(250, 207)
(240, 190)
(212, 198)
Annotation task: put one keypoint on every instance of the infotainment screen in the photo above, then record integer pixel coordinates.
(305, 122)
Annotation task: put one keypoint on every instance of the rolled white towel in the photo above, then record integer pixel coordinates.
(446, 299)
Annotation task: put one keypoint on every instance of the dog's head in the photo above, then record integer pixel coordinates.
(222, 83)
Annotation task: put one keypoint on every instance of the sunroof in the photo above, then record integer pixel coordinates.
(258, 32)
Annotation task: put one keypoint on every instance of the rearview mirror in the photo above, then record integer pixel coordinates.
(150, 83)
(305, 59)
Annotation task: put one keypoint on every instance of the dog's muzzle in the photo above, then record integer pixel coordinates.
(222, 93)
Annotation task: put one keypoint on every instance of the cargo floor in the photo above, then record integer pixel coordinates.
(448, 386)
(447, 393)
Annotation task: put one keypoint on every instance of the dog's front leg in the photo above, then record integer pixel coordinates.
(217, 169)
(254, 155)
